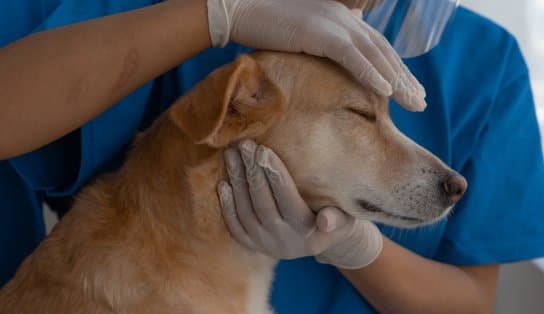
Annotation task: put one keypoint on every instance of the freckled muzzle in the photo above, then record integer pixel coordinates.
(418, 202)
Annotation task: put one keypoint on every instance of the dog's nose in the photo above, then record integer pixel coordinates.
(454, 187)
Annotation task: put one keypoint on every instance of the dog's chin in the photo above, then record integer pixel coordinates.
(375, 214)
(390, 219)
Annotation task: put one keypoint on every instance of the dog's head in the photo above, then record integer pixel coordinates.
(336, 137)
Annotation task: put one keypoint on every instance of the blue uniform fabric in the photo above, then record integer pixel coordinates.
(480, 120)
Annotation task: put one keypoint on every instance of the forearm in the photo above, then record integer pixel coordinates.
(53, 82)
(400, 281)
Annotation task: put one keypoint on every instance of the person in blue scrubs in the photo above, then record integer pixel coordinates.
(480, 120)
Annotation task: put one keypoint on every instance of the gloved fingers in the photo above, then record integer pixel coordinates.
(292, 207)
(333, 227)
(261, 195)
(228, 209)
(240, 189)
(378, 57)
(404, 97)
(352, 59)
(420, 88)
(407, 90)
(330, 219)
(394, 58)
(341, 225)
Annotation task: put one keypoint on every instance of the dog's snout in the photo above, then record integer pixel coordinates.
(454, 187)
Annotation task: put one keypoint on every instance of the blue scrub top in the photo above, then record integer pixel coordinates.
(480, 120)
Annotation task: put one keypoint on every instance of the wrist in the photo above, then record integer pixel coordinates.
(372, 245)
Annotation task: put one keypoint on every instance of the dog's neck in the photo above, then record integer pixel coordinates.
(165, 202)
(175, 181)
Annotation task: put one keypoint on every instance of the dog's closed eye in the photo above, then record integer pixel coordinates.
(368, 116)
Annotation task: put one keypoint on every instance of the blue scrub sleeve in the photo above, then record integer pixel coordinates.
(61, 167)
(501, 217)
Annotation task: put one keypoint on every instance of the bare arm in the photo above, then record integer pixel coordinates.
(53, 82)
(400, 281)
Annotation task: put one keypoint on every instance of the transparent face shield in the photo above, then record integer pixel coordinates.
(412, 26)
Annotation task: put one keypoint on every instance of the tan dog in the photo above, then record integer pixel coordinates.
(150, 237)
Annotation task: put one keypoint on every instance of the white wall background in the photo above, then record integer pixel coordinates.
(521, 286)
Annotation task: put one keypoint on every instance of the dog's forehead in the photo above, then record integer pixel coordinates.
(313, 81)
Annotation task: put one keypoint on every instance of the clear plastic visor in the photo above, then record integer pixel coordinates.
(412, 26)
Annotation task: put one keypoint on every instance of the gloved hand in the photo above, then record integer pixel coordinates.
(322, 28)
(264, 212)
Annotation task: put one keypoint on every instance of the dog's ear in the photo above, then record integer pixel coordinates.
(234, 102)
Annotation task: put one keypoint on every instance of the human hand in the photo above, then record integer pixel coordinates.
(322, 28)
(264, 212)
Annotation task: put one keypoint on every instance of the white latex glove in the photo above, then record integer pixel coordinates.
(264, 211)
(322, 28)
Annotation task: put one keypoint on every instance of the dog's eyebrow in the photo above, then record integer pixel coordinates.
(362, 100)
